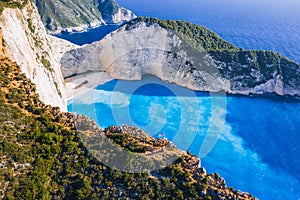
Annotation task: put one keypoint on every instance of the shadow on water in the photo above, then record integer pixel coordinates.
(153, 86)
(150, 86)
(89, 36)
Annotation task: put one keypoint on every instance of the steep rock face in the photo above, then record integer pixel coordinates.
(259, 72)
(28, 44)
(200, 61)
(111, 12)
(132, 52)
(78, 15)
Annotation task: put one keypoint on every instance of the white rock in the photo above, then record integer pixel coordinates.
(142, 50)
(27, 42)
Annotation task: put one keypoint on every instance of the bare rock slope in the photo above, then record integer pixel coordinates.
(185, 54)
(28, 44)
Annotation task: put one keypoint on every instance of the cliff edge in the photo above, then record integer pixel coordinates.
(187, 55)
(26, 41)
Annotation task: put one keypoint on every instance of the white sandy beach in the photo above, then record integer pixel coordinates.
(83, 83)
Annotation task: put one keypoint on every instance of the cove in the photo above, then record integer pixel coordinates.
(258, 146)
(89, 36)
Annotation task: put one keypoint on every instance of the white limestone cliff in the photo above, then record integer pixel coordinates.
(131, 54)
(122, 15)
(138, 49)
(28, 44)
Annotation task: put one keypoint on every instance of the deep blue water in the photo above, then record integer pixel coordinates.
(89, 36)
(256, 24)
(259, 146)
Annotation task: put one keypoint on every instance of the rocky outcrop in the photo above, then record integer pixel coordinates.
(132, 52)
(77, 15)
(28, 44)
(143, 47)
(120, 16)
(259, 72)
(2, 49)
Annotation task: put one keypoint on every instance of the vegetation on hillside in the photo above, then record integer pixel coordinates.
(244, 68)
(42, 156)
(195, 35)
(74, 13)
(12, 4)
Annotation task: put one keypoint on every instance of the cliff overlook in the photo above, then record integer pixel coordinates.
(43, 155)
(187, 55)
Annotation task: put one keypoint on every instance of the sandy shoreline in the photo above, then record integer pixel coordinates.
(82, 83)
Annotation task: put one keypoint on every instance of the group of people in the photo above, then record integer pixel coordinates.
(114, 129)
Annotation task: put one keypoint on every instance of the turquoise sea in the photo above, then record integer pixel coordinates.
(259, 143)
